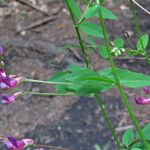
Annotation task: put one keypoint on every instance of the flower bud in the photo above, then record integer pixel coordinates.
(147, 90)
(142, 101)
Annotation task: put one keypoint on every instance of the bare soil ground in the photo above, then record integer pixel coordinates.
(71, 122)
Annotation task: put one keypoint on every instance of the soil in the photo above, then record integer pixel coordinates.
(70, 122)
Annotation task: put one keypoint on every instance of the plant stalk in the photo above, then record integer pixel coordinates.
(78, 35)
(46, 82)
(137, 29)
(96, 95)
(125, 101)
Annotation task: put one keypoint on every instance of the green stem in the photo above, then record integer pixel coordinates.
(78, 35)
(138, 30)
(46, 82)
(51, 147)
(107, 120)
(125, 101)
(96, 95)
(47, 94)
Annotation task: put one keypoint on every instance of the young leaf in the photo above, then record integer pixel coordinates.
(145, 40)
(128, 137)
(74, 8)
(128, 78)
(103, 52)
(93, 11)
(119, 43)
(107, 14)
(136, 149)
(91, 29)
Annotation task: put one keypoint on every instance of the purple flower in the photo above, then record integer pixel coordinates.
(1, 51)
(7, 82)
(147, 90)
(141, 101)
(6, 99)
(12, 144)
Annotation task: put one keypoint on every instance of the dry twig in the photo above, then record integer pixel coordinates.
(24, 2)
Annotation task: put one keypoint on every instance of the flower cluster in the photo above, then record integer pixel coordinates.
(8, 82)
(143, 101)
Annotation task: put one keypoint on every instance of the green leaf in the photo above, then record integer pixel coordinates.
(145, 40)
(90, 12)
(74, 8)
(91, 42)
(128, 78)
(92, 29)
(146, 132)
(136, 149)
(82, 81)
(128, 137)
(119, 42)
(93, 11)
(107, 14)
(103, 52)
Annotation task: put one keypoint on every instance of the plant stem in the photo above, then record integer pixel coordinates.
(47, 94)
(78, 35)
(51, 147)
(87, 64)
(107, 120)
(46, 82)
(138, 30)
(125, 101)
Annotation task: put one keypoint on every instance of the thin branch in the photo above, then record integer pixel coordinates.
(24, 2)
(141, 7)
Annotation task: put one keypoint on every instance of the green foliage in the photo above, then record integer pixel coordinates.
(82, 81)
(128, 78)
(119, 43)
(91, 28)
(103, 52)
(74, 8)
(145, 40)
(128, 137)
(134, 142)
(93, 11)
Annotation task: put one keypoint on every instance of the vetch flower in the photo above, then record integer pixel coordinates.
(147, 90)
(12, 144)
(142, 101)
(6, 99)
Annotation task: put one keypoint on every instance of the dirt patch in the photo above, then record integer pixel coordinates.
(36, 53)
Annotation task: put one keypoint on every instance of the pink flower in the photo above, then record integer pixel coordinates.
(147, 90)
(142, 101)
(6, 99)
(12, 144)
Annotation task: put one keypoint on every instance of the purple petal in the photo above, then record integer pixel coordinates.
(147, 90)
(20, 144)
(9, 146)
(12, 140)
(1, 51)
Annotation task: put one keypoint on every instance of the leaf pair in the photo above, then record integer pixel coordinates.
(82, 81)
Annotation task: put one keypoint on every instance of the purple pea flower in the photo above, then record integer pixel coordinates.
(147, 90)
(142, 101)
(6, 99)
(12, 144)
(1, 51)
